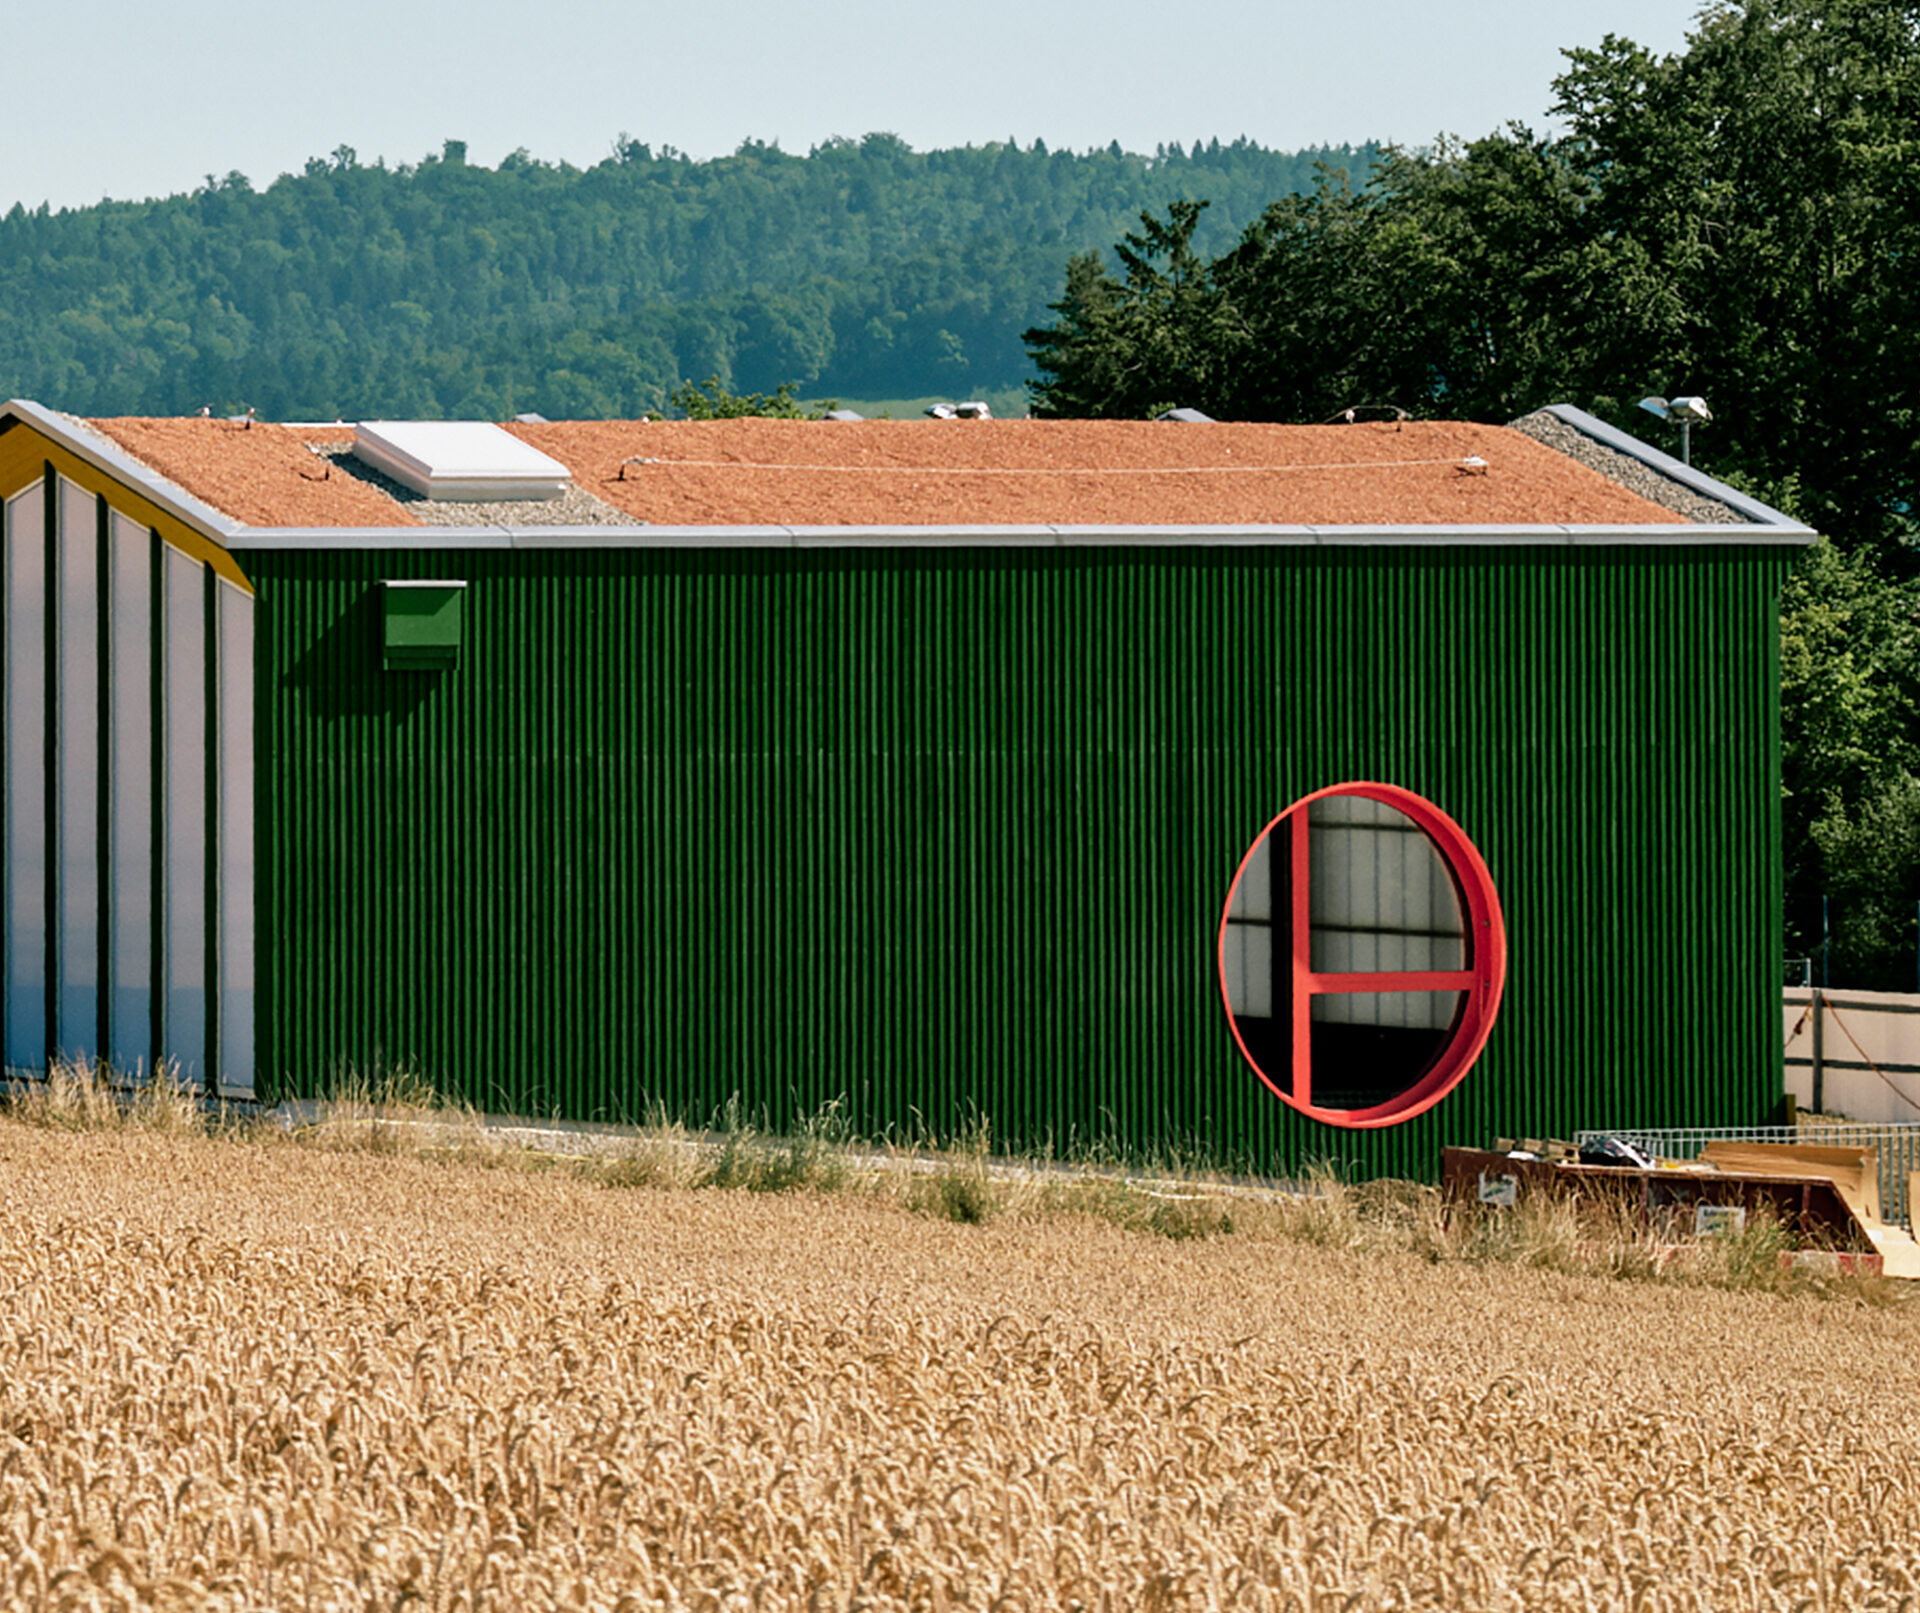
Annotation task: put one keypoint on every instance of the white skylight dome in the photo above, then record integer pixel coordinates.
(462, 460)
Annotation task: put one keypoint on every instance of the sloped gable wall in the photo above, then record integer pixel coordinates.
(126, 879)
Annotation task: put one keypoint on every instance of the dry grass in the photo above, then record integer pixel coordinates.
(81, 1097)
(399, 1114)
(242, 1373)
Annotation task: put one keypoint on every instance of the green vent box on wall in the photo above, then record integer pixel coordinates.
(420, 626)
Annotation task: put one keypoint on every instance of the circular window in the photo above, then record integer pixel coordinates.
(1362, 955)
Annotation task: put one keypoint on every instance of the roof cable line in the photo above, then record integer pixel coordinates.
(1472, 462)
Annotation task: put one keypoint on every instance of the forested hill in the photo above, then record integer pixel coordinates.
(865, 269)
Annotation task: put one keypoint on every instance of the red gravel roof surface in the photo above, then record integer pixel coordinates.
(262, 475)
(905, 473)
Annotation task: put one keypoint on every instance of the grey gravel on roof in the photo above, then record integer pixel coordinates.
(575, 507)
(1633, 474)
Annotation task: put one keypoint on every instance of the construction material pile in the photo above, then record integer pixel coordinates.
(1828, 1198)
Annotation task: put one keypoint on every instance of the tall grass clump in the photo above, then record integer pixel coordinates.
(83, 1095)
(811, 1157)
(964, 1180)
(660, 1153)
(396, 1111)
(956, 1183)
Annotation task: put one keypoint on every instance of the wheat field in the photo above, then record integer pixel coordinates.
(251, 1374)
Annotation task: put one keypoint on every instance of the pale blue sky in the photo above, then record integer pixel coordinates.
(129, 98)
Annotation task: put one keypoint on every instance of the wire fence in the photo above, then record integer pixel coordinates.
(1898, 1144)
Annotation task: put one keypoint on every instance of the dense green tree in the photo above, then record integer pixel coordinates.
(1850, 692)
(1435, 286)
(1164, 332)
(1770, 176)
(708, 400)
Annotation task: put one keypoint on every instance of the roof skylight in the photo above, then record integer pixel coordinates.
(460, 460)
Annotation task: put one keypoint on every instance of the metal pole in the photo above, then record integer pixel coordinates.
(1819, 1052)
(1686, 442)
(1826, 947)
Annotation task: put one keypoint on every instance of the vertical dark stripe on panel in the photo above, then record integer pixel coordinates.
(210, 629)
(264, 826)
(1775, 866)
(103, 819)
(157, 795)
(51, 507)
(6, 780)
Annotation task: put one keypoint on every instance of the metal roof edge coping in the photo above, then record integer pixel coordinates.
(100, 451)
(271, 538)
(1699, 481)
(534, 539)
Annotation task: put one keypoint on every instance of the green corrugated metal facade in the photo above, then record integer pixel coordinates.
(946, 832)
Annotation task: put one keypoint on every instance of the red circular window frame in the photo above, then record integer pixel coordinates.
(1481, 982)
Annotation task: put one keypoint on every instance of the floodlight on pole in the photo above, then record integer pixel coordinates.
(1684, 412)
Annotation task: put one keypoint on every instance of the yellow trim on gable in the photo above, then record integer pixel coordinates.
(24, 455)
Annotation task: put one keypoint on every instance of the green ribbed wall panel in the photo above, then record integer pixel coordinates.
(942, 833)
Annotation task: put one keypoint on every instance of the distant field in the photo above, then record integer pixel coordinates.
(241, 1374)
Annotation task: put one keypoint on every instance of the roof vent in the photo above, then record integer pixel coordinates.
(462, 460)
(1187, 417)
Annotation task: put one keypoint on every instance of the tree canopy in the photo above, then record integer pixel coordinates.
(442, 288)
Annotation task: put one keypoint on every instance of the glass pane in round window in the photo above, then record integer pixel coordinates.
(1361, 954)
(1381, 895)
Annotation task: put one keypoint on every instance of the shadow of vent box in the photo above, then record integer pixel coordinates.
(420, 626)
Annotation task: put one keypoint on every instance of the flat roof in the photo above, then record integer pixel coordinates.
(941, 472)
(802, 483)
